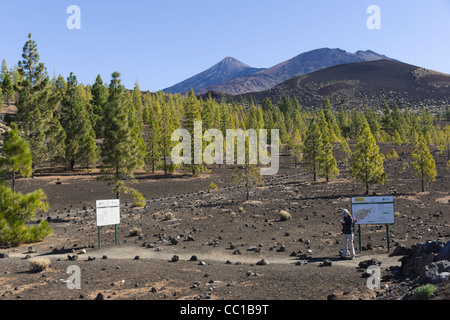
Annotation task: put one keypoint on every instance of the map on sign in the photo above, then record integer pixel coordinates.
(108, 212)
(373, 210)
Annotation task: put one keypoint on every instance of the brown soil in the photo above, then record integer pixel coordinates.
(220, 223)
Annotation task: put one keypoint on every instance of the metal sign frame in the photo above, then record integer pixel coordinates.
(383, 205)
(107, 213)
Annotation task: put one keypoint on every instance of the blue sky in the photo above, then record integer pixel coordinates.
(159, 43)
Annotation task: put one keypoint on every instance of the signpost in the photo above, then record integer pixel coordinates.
(108, 213)
(373, 210)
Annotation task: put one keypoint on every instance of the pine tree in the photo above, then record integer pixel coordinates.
(80, 136)
(248, 176)
(3, 70)
(285, 105)
(345, 149)
(7, 88)
(313, 147)
(16, 155)
(372, 120)
(367, 163)
(192, 114)
(153, 155)
(268, 110)
(423, 162)
(98, 105)
(446, 140)
(296, 147)
(166, 144)
(16, 209)
(138, 106)
(386, 120)
(60, 85)
(426, 121)
(399, 124)
(343, 122)
(36, 107)
(135, 127)
(325, 130)
(327, 163)
(55, 138)
(119, 150)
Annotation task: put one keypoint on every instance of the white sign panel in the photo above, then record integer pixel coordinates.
(108, 212)
(373, 210)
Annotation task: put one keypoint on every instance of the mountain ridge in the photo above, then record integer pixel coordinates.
(301, 64)
(232, 76)
(355, 85)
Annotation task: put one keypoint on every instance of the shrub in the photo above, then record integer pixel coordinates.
(138, 199)
(213, 187)
(424, 292)
(169, 216)
(284, 215)
(39, 264)
(135, 232)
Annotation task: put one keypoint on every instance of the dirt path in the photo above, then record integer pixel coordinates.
(128, 252)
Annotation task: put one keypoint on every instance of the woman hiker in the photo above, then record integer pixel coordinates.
(347, 231)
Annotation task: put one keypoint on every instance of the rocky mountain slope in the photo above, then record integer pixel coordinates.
(366, 83)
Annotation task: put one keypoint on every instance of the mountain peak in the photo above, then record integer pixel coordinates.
(230, 65)
(226, 69)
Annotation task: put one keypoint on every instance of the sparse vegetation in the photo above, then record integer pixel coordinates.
(424, 292)
(169, 216)
(138, 199)
(248, 177)
(117, 119)
(285, 216)
(135, 232)
(213, 186)
(39, 264)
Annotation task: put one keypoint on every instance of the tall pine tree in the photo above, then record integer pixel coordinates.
(36, 107)
(327, 163)
(313, 148)
(367, 163)
(80, 136)
(296, 148)
(192, 114)
(98, 105)
(166, 144)
(423, 162)
(153, 154)
(119, 150)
